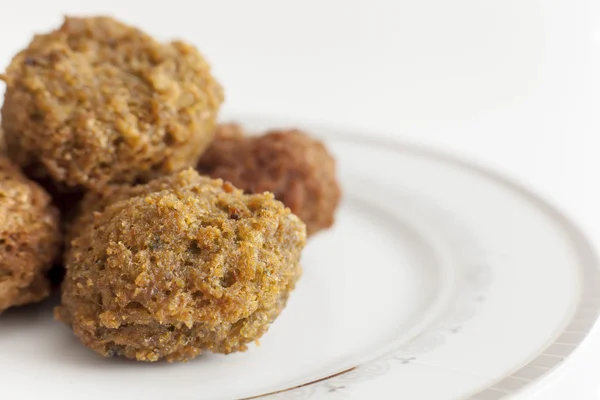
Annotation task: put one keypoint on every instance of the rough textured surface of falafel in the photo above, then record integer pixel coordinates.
(30, 238)
(289, 163)
(97, 101)
(183, 265)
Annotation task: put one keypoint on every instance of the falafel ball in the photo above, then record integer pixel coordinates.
(30, 238)
(97, 101)
(183, 265)
(295, 167)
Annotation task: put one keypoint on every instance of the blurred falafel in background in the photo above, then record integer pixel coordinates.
(296, 168)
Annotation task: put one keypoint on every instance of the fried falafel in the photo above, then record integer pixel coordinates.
(182, 265)
(30, 238)
(295, 167)
(2, 147)
(97, 102)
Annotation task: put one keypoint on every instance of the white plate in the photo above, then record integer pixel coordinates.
(440, 280)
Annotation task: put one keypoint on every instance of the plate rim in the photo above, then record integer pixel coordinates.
(510, 383)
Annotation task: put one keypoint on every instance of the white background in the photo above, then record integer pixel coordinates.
(512, 84)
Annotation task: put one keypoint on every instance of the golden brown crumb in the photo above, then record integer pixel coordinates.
(289, 163)
(97, 102)
(30, 238)
(183, 265)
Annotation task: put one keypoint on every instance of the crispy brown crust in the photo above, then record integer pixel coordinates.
(97, 102)
(95, 202)
(289, 163)
(183, 265)
(30, 238)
